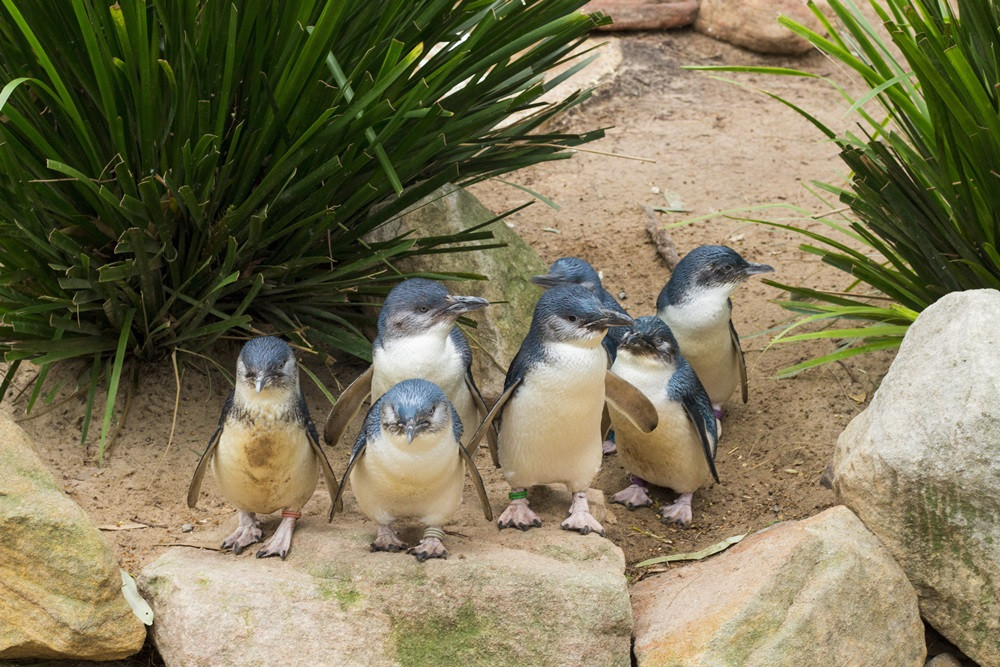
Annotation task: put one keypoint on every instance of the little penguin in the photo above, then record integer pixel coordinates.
(696, 306)
(265, 454)
(680, 452)
(408, 463)
(550, 411)
(417, 338)
(573, 270)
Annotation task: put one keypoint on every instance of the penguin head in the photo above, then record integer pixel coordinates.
(414, 411)
(570, 312)
(572, 270)
(650, 338)
(709, 268)
(266, 363)
(419, 305)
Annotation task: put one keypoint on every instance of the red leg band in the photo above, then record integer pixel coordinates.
(295, 515)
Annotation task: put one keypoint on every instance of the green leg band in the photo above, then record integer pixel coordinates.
(517, 495)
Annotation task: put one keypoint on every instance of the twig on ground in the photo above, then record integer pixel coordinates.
(665, 248)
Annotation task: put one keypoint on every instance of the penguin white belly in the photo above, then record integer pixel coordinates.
(706, 342)
(550, 429)
(670, 455)
(425, 357)
(265, 467)
(420, 483)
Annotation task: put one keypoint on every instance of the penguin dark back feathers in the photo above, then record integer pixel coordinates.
(570, 270)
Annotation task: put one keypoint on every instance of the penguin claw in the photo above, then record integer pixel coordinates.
(429, 547)
(582, 522)
(679, 511)
(242, 537)
(518, 515)
(387, 540)
(632, 497)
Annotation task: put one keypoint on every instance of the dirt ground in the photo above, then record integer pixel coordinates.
(716, 146)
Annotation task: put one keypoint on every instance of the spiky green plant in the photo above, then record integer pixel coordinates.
(173, 171)
(924, 192)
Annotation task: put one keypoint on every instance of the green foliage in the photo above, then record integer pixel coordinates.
(174, 171)
(924, 191)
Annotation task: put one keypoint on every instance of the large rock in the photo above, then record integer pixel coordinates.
(500, 327)
(753, 24)
(645, 14)
(545, 597)
(921, 467)
(60, 587)
(822, 591)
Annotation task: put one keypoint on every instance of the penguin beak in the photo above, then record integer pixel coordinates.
(456, 305)
(610, 318)
(261, 381)
(548, 280)
(754, 269)
(411, 431)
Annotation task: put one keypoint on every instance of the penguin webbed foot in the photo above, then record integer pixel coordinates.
(580, 519)
(583, 522)
(608, 447)
(247, 532)
(518, 515)
(632, 497)
(387, 540)
(679, 511)
(281, 542)
(429, 547)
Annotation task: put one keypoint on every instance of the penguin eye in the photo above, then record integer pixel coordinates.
(572, 318)
(423, 309)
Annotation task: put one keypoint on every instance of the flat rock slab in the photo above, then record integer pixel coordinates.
(921, 467)
(645, 14)
(60, 587)
(544, 597)
(753, 24)
(822, 591)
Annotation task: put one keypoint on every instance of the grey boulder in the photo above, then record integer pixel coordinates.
(60, 587)
(921, 467)
(821, 591)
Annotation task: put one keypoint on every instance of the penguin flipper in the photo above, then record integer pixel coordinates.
(338, 501)
(477, 481)
(741, 362)
(199, 472)
(697, 418)
(477, 396)
(488, 422)
(631, 402)
(324, 465)
(347, 406)
(605, 422)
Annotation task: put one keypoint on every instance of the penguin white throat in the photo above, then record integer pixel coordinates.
(702, 308)
(272, 404)
(647, 362)
(428, 354)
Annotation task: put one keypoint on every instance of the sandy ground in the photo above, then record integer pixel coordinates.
(716, 147)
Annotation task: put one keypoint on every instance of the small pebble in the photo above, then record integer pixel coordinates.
(622, 295)
(187, 528)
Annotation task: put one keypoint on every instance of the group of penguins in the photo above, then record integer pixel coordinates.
(586, 371)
